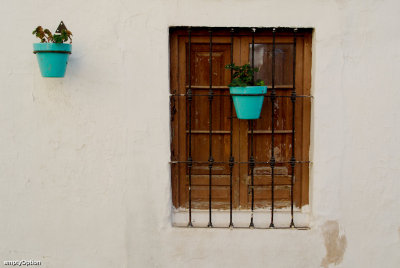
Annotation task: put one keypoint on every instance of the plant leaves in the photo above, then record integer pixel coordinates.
(46, 36)
(243, 75)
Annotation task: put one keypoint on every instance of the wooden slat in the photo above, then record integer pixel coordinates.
(243, 138)
(299, 136)
(202, 169)
(182, 156)
(218, 192)
(279, 203)
(174, 124)
(266, 180)
(203, 180)
(264, 192)
(306, 118)
(236, 133)
(266, 170)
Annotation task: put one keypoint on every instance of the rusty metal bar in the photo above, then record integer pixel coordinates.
(251, 159)
(241, 162)
(231, 159)
(189, 100)
(293, 158)
(273, 97)
(210, 159)
(219, 95)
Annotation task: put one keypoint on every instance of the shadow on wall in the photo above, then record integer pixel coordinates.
(335, 244)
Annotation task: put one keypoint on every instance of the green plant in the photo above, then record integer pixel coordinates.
(243, 76)
(46, 36)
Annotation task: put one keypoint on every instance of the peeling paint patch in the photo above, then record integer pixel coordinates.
(335, 244)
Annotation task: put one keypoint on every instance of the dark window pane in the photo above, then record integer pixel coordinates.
(283, 63)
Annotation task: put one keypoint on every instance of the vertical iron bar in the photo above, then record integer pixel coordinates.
(273, 97)
(251, 164)
(189, 99)
(251, 159)
(231, 159)
(252, 52)
(210, 159)
(293, 99)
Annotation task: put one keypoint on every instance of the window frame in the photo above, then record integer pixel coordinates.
(179, 38)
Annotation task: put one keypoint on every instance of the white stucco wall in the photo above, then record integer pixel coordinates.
(84, 174)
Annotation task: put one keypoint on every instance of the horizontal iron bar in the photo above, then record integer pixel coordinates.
(269, 131)
(236, 162)
(262, 228)
(267, 186)
(289, 131)
(228, 95)
(207, 132)
(207, 87)
(226, 87)
(51, 51)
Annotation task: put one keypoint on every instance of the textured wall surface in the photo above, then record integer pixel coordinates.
(84, 168)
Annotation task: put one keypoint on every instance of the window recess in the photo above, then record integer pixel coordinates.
(227, 172)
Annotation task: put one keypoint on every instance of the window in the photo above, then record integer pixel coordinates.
(220, 152)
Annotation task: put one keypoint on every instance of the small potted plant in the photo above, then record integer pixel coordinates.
(246, 106)
(52, 54)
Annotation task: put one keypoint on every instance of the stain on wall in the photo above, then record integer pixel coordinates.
(335, 244)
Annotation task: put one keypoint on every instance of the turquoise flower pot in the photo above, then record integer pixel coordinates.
(52, 58)
(248, 107)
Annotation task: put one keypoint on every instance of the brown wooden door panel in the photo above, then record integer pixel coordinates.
(200, 122)
(221, 136)
(282, 114)
(200, 72)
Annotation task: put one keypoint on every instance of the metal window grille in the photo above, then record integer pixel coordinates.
(275, 31)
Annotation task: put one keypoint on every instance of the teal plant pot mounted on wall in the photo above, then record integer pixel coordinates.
(248, 107)
(52, 58)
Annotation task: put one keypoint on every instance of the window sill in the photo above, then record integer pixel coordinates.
(241, 218)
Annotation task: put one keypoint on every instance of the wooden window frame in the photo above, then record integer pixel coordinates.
(178, 77)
